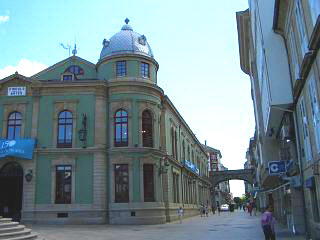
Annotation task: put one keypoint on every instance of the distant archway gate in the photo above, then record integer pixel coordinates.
(241, 174)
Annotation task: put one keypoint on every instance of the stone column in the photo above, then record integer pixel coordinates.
(99, 184)
(29, 187)
(100, 119)
(165, 186)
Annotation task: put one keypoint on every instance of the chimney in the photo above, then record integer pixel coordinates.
(205, 142)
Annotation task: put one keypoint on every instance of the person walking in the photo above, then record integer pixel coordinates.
(206, 210)
(254, 208)
(219, 210)
(250, 208)
(201, 210)
(267, 224)
(180, 214)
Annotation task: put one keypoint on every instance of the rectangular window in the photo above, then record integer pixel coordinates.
(315, 110)
(144, 69)
(63, 184)
(293, 55)
(148, 183)
(175, 187)
(121, 176)
(67, 78)
(301, 28)
(314, 203)
(121, 68)
(306, 139)
(314, 6)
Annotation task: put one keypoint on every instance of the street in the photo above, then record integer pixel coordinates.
(237, 225)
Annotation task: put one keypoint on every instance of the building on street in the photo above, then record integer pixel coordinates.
(98, 143)
(279, 49)
(221, 191)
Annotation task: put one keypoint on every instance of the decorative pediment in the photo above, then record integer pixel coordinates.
(17, 85)
(16, 77)
(80, 67)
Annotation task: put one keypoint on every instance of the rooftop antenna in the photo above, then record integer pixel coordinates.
(74, 51)
(67, 47)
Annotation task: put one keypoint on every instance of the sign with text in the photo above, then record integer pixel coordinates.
(22, 148)
(191, 166)
(17, 91)
(277, 167)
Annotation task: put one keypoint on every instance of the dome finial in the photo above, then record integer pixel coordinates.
(127, 20)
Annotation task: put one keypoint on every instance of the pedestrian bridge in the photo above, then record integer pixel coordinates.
(240, 174)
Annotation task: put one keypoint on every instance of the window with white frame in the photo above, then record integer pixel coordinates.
(314, 6)
(121, 68)
(293, 54)
(304, 123)
(315, 110)
(301, 27)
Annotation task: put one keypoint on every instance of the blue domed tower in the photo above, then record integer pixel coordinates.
(127, 56)
(133, 109)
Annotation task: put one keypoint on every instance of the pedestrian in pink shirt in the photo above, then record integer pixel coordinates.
(267, 223)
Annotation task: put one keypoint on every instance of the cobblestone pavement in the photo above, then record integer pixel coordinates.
(234, 226)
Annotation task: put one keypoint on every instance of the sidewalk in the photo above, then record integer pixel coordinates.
(282, 232)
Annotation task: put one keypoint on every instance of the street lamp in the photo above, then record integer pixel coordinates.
(29, 176)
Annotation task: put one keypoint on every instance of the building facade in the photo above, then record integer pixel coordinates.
(107, 145)
(221, 191)
(279, 49)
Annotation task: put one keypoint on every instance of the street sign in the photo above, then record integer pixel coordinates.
(277, 167)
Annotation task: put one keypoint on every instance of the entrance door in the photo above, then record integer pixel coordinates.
(11, 184)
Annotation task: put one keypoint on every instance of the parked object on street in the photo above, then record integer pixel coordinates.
(224, 207)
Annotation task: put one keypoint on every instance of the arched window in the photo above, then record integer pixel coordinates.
(183, 151)
(64, 130)
(192, 157)
(14, 125)
(147, 140)
(172, 143)
(75, 70)
(121, 128)
(175, 145)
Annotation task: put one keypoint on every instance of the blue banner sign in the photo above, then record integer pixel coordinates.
(191, 166)
(22, 148)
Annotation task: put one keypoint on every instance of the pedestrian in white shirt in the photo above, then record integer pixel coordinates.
(180, 214)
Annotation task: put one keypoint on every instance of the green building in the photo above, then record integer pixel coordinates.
(98, 143)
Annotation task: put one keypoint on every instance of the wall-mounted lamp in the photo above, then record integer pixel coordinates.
(28, 176)
(164, 164)
(83, 130)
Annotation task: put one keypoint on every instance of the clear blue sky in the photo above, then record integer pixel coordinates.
(195, 43)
